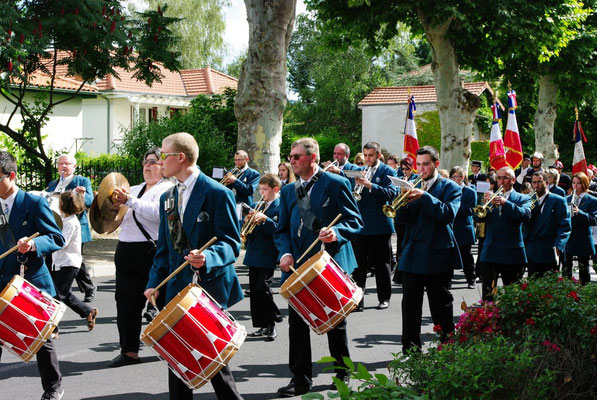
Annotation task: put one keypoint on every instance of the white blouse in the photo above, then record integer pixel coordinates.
(70, 254)
(147, 211)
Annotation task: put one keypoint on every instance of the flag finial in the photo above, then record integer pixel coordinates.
(509, 85)
(576, 112)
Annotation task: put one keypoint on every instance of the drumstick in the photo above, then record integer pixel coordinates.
(316, 240)
(177, 270)
(7, 252)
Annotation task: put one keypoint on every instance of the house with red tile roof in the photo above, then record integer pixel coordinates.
(94, 119)
(384, 111)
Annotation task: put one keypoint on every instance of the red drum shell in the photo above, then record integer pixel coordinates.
(194, 336)
(321, 293)
(28, 317)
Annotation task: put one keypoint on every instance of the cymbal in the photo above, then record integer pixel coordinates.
(99, 223)
(109, 183)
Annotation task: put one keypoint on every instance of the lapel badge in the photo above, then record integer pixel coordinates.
(378, 179)
(275, 218)
(203, 217)
(24, 223)
(169, 204)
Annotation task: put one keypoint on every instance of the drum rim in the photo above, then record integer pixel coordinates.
(308, 271)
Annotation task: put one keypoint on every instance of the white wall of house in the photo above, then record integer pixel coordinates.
(385, 124)
(95, 126)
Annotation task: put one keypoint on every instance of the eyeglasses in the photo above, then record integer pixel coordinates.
(499, 178)
(163, 156)
(150, 162)
(405, 169)
(296, 157)
(1, 179)
(360, 164)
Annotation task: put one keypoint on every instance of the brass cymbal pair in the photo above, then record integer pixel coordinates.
(104, 216)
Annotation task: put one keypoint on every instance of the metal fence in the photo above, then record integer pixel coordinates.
(29, 178)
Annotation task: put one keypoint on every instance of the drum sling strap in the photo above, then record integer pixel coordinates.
(180, 242)
(308, 218)
(143, 231)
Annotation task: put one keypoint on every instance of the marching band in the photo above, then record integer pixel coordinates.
(325, 225)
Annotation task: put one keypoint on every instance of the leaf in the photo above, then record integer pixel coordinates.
(348, 362)
(362, 372)
(313, 396)
(383, 380)
(326, 359)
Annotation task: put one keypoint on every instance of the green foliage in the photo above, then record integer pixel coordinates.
(210, 120)
(537, 341)
(201, 30)
(480, 151)
(491, 369)
(97, 167)
(235, 66)
(428, 129)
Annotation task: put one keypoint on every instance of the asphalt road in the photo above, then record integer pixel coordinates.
(259, 367)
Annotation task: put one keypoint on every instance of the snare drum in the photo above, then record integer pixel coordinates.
(28, 317)
(194, 336)
(321, 293)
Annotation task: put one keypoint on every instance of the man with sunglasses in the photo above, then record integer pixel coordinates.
(21, 216)
(194, 211)
(69, 181)
(306, 209)
(503, 252)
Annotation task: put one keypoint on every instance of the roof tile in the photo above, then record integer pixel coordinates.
(422, 94)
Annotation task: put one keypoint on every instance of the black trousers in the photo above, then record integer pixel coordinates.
(374, 252)
(540, 269)
(133, 261)
(583, 268)
(468, 263)
(83, 278)
(440, 299)
(47, 364)
(300, 348)
(264, 311)
(63, 281)
(223, 384)
(490, 272)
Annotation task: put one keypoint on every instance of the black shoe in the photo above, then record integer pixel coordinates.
(292, 390)
(247, 292)
(121, 360)
(361, 306)
(383, 305)
(90, 295)
(259, 332)
(344, 377)
(150, 314)
(271, 333)
(52, 394)
(471, 285)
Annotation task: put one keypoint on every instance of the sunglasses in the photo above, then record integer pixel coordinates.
(296, 157)
(150, 162)
(163, 156)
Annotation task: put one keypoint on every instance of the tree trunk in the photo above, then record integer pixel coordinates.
(545, 118)
(261, 97)
(457, 107)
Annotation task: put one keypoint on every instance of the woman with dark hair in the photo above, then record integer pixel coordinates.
(583, 209)
(406, 166)
(134, 253)
(285, 173)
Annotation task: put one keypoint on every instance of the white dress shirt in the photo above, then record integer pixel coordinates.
(189, 185)
(70, 254)
(9, 201)
(147, 211)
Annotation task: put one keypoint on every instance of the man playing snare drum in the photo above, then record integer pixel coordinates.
(195, 210)
(23, 214)
(306, 208)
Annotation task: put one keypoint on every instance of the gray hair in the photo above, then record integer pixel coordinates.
(69, 157)
(310, 145)
(509, 170)
(344, 147)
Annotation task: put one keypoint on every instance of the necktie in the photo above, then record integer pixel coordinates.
(181, 188)
(5, 210)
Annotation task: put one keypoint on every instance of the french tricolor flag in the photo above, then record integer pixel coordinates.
(579, 162)
(411, 142)
(497, 155)
(511, 136)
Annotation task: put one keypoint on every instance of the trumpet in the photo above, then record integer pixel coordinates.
(389, 210)
(481, 211)
(233, 172)
(249, 224)
(534, 199)
(356, 193)
(332, 164)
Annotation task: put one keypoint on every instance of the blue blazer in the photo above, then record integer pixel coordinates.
(245, 186)
(503, 234)
(330, 196)
(558, 191)
(261, 250)
(429, 245)
(29, 214)
(350, 167)
(549, 229)
(581, 238)
(464, 227)
(79, 180)
(370, 206)
(210, 212)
